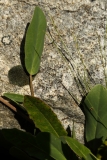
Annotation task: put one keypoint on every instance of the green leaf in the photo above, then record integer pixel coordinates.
(43, 146)
(78, 148)
(68, 150)
(15, 136)
(30, 150)
(22, 144)
(43, 116)
(15, 97)
(19, 154)
(53, 145)
(95, 109)
(35, 41)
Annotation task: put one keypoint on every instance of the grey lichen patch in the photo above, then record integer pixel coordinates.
(6, 40)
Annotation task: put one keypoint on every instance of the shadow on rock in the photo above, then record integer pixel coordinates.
(18, 76)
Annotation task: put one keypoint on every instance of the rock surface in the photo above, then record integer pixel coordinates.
(74, 57)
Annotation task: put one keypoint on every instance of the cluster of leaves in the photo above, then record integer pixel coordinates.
(52, 142)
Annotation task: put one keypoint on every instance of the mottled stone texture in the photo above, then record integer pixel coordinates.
(74, 57)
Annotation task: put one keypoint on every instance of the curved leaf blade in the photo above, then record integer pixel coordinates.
(19, 154)
(78, 148)
(95, 107)
(22, 145)
(42, 115)
(51, 144)
(35, 41)
(32, 151)
(43, 146)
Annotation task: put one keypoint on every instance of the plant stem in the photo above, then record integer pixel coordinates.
(14, 109)
(8, 104)
(31, 86)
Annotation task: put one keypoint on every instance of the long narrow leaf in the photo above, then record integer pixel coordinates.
(35, 41)
(43, 146)
(43, 116)
(19, 154)
(78, 148)
(22, 145)
(95, 109)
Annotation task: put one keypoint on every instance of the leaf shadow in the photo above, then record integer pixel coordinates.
(22, 49)
(94, 144)
(18, 75)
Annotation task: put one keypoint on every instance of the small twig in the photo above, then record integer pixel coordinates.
(31, 86)
(14, 109)
(8, 104)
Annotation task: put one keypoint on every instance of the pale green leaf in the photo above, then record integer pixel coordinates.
(35, 41)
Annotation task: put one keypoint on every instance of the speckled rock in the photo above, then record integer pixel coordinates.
(74, 56)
